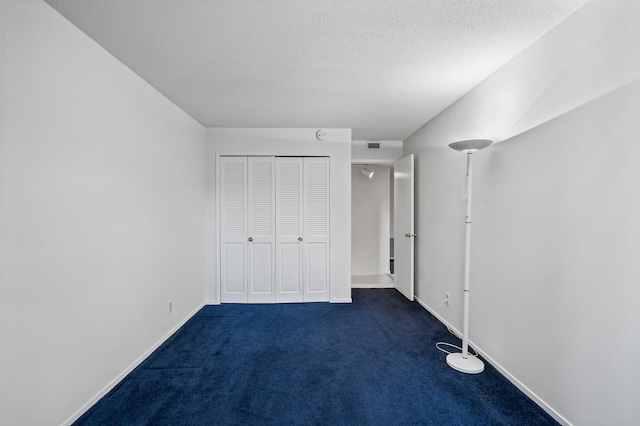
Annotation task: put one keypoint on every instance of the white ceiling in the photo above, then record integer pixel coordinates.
(380, 67)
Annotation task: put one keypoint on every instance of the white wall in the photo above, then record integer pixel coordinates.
(289, 142)
(102, 182)
(555, 231)
(370, 220)
(591, 53)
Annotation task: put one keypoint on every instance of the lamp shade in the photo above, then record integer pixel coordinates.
(471, 145)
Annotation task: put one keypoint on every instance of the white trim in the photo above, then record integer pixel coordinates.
(546, 407)
(341, 300)
(439, 318)
(75, 416)
(218, 227)
(211, 302)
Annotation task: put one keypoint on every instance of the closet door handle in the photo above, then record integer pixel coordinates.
(299, 238)
(250, 239)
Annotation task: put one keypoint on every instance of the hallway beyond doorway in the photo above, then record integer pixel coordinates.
(372, 281)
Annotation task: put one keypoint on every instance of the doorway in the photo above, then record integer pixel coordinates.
(372, 226)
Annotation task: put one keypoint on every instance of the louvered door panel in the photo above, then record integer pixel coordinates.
(316, 229)
(233, 209)
(261, 230)
(289, 287)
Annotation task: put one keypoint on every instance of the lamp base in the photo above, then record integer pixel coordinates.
(469, 365)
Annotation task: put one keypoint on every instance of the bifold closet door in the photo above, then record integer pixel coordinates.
(316, 229)
(233, 229)
(261, 207)
(247, 230)
(289, 254)
(302, 228)
(274, 229)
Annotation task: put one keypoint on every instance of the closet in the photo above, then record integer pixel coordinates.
(274, 229)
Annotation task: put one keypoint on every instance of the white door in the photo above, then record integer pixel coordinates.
(261, 213)
(233, 229)
(289, 257)
(315, 238)
(403, 226)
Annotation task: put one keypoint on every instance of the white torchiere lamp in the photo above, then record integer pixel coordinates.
(462, 361)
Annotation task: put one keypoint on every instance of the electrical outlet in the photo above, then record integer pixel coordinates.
(170, 306)
(447, 299)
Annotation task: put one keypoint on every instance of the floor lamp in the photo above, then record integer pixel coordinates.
(462, 361)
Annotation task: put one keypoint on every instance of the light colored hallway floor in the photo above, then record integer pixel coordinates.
(372, 281)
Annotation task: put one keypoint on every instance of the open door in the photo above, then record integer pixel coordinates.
(404, 235)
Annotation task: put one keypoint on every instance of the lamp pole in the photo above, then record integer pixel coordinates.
(461, 361)
(467, 260)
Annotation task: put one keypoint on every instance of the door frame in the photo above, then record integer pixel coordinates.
(384, 163)
(391, 163)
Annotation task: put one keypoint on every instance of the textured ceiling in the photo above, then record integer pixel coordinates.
(380, 67)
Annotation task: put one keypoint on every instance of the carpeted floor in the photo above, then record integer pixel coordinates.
(370, 362)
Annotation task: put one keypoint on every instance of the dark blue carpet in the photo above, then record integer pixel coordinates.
(370, 362)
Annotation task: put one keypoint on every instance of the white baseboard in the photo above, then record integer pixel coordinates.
(341, 300)
(75, 416)
(546, 407)
(211, 302)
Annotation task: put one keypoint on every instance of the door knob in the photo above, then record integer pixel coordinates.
(411, 235)
(250, 239)
(407, 235)
(299, 238)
